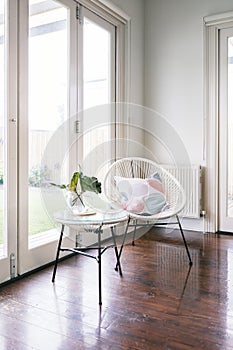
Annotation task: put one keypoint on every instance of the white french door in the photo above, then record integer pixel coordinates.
(226, 130)
(53, 68)
(46, 53)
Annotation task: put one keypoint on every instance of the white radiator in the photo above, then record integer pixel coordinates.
(190, 179)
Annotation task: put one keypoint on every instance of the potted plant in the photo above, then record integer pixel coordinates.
(79, 184)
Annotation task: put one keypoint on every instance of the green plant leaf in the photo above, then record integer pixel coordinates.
(90, 184)
(87, 183)
(59, 186)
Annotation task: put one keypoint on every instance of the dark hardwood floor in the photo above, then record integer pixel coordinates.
(158, 303)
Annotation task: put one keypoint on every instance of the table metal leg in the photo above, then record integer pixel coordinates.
(118, 264)
(98, 258)
(58, 253)
(99, 262)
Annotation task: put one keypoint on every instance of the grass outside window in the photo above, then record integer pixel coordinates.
(38, 218)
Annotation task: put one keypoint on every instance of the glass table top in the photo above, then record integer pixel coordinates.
(67, 217)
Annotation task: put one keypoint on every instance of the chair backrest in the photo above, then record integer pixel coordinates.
(135, 167)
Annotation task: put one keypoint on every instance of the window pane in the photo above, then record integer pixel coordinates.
(48, 81)
(96, 69)
(98, 80)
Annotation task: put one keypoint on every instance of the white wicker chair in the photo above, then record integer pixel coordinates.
(136, 167)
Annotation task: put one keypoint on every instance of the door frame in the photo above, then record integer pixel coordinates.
(225, 220)
(213, 24)
(11, 140)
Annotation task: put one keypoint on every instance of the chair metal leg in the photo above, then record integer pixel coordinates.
(134, 232)
(122, 244)
(184, 240)
(58, 253)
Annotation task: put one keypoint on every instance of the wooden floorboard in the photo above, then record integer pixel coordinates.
(158, 303)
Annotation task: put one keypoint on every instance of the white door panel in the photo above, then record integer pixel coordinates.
(47, 44)
(226, 131)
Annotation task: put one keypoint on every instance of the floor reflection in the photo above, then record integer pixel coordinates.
(229, 298)
(160, 302)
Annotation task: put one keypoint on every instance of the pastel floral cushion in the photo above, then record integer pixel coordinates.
(142, 196)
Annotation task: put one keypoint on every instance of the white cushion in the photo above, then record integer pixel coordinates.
(141, 196)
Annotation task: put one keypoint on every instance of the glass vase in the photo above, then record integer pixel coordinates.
(74, 202)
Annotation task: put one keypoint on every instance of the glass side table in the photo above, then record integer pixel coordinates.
(93, 223)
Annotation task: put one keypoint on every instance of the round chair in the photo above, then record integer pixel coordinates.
(147, 192)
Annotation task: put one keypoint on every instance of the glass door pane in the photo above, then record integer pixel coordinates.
(3, 238)
(47, 107)
(98, 91)
(97, 64)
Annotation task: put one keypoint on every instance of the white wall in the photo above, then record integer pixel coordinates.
(167, 63)
(168, 50)
(174, 65)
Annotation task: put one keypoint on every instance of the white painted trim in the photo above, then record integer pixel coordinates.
(217, 19)
(12, 127)
(98, 6)
(211, 174)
